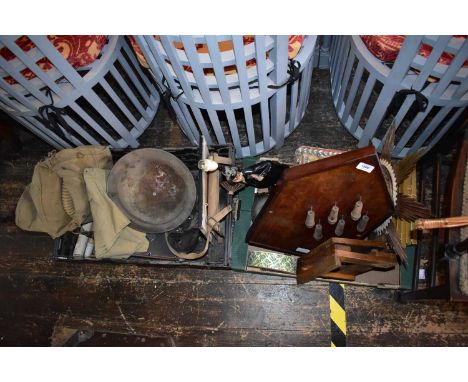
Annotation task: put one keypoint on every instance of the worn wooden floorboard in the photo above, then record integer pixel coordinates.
(182, 306)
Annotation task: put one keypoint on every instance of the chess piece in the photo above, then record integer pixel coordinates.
(318, 231)
(356, 213)
(333, 217)
(363, 223)
(340, 227)
(310, 218)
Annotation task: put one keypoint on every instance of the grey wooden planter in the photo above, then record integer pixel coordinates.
(363, 87)
(239, 107)
(111, 101)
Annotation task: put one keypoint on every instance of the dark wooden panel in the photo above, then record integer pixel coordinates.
(20, 330)
(280, 225)
(388, 322)
(117, 339)
(403, 339)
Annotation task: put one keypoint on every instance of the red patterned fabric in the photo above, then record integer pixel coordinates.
(386, 48)
(78, 50)
(295, 44)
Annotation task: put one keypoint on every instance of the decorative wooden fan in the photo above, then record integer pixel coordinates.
(406, 208)
(232, 188)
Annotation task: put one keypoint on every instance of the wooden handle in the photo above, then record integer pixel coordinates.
(458, 221)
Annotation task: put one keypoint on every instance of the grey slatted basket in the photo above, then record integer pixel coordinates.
(235, 107)
(111, 101)
(363, 87)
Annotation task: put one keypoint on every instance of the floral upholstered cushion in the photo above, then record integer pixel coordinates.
(295, 44)
(386, 48)
(78, 50)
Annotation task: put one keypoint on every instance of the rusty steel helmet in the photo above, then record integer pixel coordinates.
(153, 188)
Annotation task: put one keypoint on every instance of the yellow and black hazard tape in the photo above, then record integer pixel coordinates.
(337, 315)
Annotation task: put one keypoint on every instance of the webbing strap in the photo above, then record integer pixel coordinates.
(213, 221)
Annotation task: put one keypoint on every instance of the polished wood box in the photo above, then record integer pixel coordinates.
(281, 225)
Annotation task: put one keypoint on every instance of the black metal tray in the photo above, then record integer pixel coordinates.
(218, 255)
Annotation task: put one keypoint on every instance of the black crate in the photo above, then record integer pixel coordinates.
(218, 255)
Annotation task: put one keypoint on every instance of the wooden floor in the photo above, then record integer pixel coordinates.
(191, 306)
